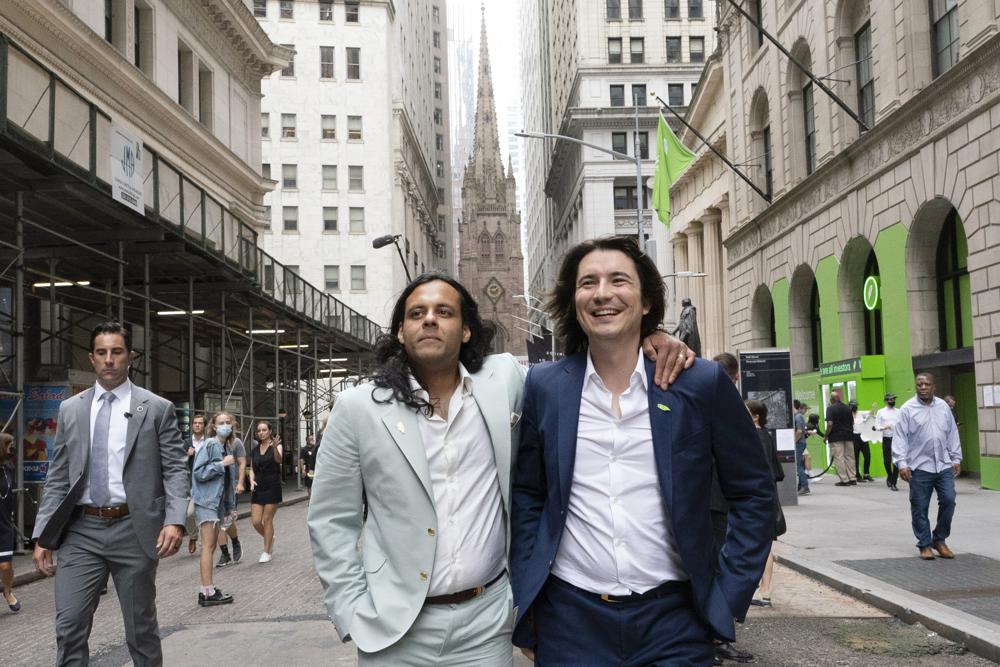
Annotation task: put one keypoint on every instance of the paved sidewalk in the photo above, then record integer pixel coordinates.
(859, 540)
(25, 572)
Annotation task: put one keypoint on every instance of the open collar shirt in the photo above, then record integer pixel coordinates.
(887, 417)
(926, 437)
(617, 539)
(471, 538)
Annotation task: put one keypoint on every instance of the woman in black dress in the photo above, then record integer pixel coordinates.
(265, 485)
(8, 534)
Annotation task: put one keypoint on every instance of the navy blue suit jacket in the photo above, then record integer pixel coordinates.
(705, 421)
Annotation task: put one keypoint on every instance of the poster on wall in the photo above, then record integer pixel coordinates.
(126, 168)
(766, 376)
(41, 416)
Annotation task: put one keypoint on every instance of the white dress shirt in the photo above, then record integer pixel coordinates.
(471, 542)
(926, 437)
(617, 539)
(887, 417)
(116, 440)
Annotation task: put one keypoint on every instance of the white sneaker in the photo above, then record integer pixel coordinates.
(264, 558)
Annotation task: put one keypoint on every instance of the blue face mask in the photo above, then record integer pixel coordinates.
(224, 431)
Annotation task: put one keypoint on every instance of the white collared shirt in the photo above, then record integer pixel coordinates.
(887, 417)
(116, 440)
(471, 543)
(617, 539)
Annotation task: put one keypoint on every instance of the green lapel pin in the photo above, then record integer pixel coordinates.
(663, 407)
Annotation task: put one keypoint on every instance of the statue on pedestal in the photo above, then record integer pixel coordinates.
(687, 326)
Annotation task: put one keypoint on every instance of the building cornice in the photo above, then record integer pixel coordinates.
(954, 97)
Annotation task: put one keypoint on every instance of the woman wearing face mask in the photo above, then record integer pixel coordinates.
(8, 533)
(265, 485)
(213, 488)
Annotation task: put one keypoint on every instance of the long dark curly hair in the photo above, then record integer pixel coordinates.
(394, 371)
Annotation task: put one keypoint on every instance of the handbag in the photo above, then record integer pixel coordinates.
(780, 527)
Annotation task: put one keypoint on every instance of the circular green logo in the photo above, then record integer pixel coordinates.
(871, 293)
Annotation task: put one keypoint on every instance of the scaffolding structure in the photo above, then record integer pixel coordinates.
(216, 322)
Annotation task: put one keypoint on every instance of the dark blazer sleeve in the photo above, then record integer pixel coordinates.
(747, 483)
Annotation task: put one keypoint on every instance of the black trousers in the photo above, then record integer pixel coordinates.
(861, 447)
(891, 470)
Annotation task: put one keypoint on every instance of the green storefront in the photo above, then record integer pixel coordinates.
(850, 318)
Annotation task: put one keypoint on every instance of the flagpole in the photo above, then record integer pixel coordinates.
(638, 179)
(712, 148)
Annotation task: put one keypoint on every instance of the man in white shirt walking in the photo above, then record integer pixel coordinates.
(885, 421)
(926, 449)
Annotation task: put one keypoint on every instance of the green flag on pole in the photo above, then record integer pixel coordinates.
(672, 158)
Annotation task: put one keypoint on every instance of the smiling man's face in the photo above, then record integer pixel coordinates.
(432, 331)
(608, 297)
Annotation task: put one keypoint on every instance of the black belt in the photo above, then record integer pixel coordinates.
(663, 590)
(464, 596)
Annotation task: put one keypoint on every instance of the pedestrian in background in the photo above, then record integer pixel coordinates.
(861, 446)
(8, 531)
(265, 485)
(758, 411)
(801, 442)
(193, 441)
(840, 437)
(240, 452)
(885, 421)
(926, 449)
(307, 464)
(214, 493)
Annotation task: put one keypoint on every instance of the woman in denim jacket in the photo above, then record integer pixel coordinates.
(213, 489)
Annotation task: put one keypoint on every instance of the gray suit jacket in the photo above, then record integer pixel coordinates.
(374, 595)
(156, 475)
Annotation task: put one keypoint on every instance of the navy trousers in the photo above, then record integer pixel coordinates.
(576, 629)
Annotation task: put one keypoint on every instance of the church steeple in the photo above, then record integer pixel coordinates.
(485, 164)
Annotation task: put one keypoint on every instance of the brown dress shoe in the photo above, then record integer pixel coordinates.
(943, 550)
(926, 554)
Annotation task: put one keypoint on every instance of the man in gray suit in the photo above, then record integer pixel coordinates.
(115, 500)
(430, 441)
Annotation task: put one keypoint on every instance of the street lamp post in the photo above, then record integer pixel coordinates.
(622, 156)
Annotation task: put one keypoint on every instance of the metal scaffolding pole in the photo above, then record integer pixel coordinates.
(298, 392)
(277, 392)
(147, 334)
(222, 335)
(121, 283)
(18, 333)
(190, 347)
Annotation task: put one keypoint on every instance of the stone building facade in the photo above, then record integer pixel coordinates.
(490, 263)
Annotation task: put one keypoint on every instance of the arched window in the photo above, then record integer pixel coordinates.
(954, 295)
(499, 344)
(815, 327)
(498, 246)
(484, 246)
(873, 316)
(760, 141)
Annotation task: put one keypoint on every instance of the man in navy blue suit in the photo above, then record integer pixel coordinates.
(612, 549)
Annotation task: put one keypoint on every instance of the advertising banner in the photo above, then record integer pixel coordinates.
(41, 413)
(126, 168)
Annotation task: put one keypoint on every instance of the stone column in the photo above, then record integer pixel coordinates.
(724, 228)
(696, 264)
(711, 321)
(677, 285)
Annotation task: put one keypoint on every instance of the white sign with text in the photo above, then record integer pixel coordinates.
(126, 168)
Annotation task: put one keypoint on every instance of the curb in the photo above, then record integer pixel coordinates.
(34, 575)
(977, 635)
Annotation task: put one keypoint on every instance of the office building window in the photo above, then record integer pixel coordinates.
(289, 69)
(614, 10)
(260, 8)
(619, 143)
(325, 10)
(635, 9)
(436, 14)
(624, 198)
(768, 163)
(865, 74)
(290, 218)
(357, 221)
(331, 277)
(437, 90)
(617, 95)
(944, 30)
(672, 9)
(696, 49)
(287, 126)
(328, 127)
(330, 177)
(355, 178)
(644, 145)
(757, 12)
(358, 278)
(439, 142)
(143, 42)
(206, 99)
(326, 62)
(639, 94)
(637, 50)
(437, 65)
(809, 117)
(437, 39)
(675, 94)
(352, 12)
(265, 171)
(353, 63)
(614, 50)
(330, 218)
(286, 9)
(354, 128)
(289, 176)
(438, 117)
(185, 77)
(674, 54)
(265, 126)
(695, 9)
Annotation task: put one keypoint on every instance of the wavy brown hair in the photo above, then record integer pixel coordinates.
(561, 304)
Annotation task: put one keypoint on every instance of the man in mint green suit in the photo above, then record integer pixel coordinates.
(430, 442)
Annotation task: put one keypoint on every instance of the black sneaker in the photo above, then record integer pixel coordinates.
(853, 482)
(215, 599)
(869, 478)
(842, 484)
(224, 560)
(237, 552)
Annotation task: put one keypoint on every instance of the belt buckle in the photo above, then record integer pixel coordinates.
(607, 598)
(478, 590)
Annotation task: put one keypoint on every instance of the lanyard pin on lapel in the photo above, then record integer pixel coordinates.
(663, 407)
